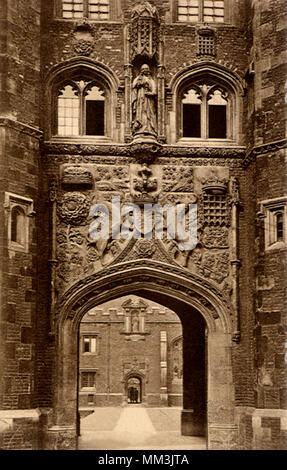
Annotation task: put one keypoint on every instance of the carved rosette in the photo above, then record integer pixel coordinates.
(83, 47)
(74, 208)
(145, 248)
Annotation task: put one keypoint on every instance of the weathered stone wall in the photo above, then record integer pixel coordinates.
(19, 163)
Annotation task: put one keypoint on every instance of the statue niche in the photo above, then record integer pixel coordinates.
(144, 115)
(144, 32)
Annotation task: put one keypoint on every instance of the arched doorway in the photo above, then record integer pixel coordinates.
(134, 390)
(196, 301)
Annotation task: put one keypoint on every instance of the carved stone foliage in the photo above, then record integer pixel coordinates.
(215, 237)
(145, 248)
(83, 47)
(214, 266)
(73, 209)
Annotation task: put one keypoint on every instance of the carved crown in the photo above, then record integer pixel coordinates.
(214, 185)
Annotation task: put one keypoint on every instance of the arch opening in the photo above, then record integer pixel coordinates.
(137, 351)
(194, 301)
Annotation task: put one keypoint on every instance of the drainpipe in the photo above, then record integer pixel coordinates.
(235, 262)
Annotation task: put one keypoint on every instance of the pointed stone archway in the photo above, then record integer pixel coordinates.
(188, 296)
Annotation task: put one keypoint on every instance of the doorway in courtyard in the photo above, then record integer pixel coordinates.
(134, 390)
(142, 375)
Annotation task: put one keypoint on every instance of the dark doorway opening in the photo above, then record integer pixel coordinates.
(134, 390)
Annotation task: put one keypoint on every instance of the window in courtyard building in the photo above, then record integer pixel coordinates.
(17, 225)
(195, 11)
(274, 212)
(81, 109)
(88, 379)
(205, 109)
(90, 344)
(95, 10)
(20, 209)
(279, 226)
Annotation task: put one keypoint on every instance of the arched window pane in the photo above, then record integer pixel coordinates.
(217, 115)
(191, 114)
(18, 226)
(68, 112)
(95, 111)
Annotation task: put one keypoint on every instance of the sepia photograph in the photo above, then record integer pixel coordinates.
(143, 228)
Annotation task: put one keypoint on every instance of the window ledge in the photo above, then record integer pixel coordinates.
(207, 143)
(88, 389)
(13, 246)
(210, 24)
(276, 246)
(89, 20)
(85, 139)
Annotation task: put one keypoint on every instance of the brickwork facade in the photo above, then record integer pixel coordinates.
(121, 354)
(52, 273)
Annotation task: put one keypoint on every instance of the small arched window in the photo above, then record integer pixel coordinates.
(80, 109)
(205, 110)
(18, 226)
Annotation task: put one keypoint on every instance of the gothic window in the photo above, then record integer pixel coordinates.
(90, 344)
(88, 379)
(19, 210)
(205, 111)
(92, 9)
(206, 11)
(275, 219)
(80, 109)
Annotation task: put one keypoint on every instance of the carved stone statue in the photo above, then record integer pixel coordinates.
(144, 103)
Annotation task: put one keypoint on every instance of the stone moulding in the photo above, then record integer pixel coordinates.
(263, 149)
(130, 150)
(21, 127)
(145, 274)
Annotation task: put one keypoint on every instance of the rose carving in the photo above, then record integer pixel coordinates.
(74, 208)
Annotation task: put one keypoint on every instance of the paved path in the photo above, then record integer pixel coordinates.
(135, 427)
